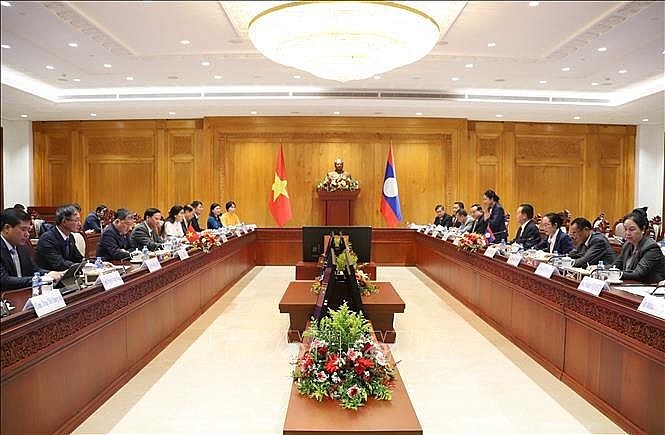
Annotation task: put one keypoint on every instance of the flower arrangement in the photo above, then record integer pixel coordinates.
(472, 242)
(203, 241)
(366, 286)
(343, 362)
(335, 181)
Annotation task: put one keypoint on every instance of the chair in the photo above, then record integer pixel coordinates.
(618, 229)
(656, 228)
(79, 239)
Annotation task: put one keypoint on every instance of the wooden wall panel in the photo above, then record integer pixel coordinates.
(584, 168)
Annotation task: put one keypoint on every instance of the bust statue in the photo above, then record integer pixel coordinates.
(338, 179)
(339, 170)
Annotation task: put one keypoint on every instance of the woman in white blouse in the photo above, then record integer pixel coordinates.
(173, 224)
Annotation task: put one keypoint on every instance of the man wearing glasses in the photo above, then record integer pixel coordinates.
(56, 249)
(114, 242)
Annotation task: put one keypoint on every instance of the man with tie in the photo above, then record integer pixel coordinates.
(590, 246)
(147, 233)
(479, 225)
(114, 241)
(16, 267)
(442, 218)
(528, 234)
(198, 209)
(56, 249)
(457, 206)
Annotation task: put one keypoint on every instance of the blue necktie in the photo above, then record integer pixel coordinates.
(67, 248)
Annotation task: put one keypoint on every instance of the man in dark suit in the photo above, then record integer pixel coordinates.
(528, 234)
(479, 225)
(590, 246)
(442, 218)
(147, 233)
(16, 267)
(457, 206)
(114, 243)
(56, 249)
(94, 219)
(198, 209)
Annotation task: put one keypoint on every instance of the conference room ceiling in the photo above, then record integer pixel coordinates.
(498, 61)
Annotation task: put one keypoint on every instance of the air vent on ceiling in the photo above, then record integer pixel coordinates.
(90, 97)
(508, 98)
(160, 96)
(420, 95)
(245, 94)
(332, 94)
(579, 100)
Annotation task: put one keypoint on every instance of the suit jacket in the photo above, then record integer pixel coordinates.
(479, 226)
(562, 244)
(467, 226)
(92, 222)
(592, 251)
(8, 278)
(142, 236)
(445, 221)
(55, 253)
(112, 245)
(195, 224)
(528, 238)
(647, 266)
(497, 222)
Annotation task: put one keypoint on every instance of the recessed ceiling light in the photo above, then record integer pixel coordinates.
(602, 49)
(543, 82)
(576, 117)
(335, 113)
(185, 42)
(24, 116)
(419, 113)
(469, 65)
(534, 3)
(491, 44)
(6, 46)
(253, 112)
(594, 83)
(565, 69)
(93, 114)
(5, 4)
(171, 113)
(377, 77)
(108, 65)
(498, 115)
(297, 76)
(50, 67)
(130, 78)
(454, 79)
(645, 119)
(73, 44)
(217, 77)
(205, 63)
(76, 79)
(172, 77)
(622, 71)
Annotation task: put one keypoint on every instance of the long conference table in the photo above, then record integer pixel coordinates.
(56, 370)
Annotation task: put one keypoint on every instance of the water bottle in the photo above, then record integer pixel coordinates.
(600, 270)
(36, 284)
(99, 264)
(144, 253)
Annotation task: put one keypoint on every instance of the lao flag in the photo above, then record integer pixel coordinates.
(489, 235)
(390, 208)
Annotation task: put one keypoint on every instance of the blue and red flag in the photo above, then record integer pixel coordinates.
(489, 235)
(390, 208)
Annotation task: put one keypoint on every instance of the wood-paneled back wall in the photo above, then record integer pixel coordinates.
(137, 164)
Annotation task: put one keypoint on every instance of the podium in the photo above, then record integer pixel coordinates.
(337, 206)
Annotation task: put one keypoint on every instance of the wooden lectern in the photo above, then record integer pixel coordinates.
(337, 206)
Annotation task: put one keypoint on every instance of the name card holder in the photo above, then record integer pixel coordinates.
(46, 303)
(435, 233)
(545, 270)
(514, 259)
(182, 254)
(653, 305)
(152, 264)
(491, 252)
(111, 280)
(593, 286)
(224, 239)
(238, 233)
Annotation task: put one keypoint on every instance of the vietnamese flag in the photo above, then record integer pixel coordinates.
(192, 235)
(390, 208)
(280, 204)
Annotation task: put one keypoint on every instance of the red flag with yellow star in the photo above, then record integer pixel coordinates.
(280, 204)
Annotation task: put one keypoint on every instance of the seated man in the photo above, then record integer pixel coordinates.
(114, 243)
(457, 205)
(479, 225)
(442, 218)
(147, 233)
(56, 249)
(16, 267)
(466, 221)
(94, 220)
(194, 221)
(528, 235)
(590, 246)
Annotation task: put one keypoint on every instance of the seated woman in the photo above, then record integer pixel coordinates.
(214, 222)
(557, 240)
(641, 258)
(230, 218)
(173, 224)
